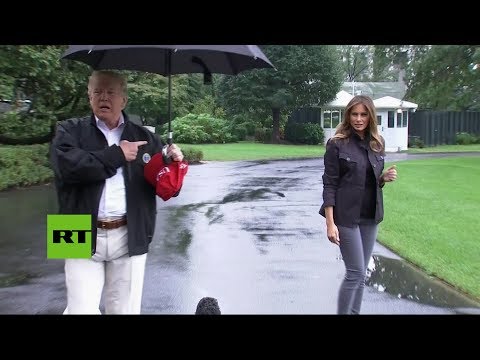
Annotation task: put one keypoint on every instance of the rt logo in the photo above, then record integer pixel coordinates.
(69, 236)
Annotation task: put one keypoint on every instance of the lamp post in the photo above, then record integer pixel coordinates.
(400, 108)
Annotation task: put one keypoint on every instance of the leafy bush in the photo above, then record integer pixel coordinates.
(24, 165)
(304, 133)
(263, 135)
(463, 138)
(313, 134)
(18, 125)
(239, 131)
(415, 141)
(419, 143)
(246, 122)
(200, 129)
(192, 155)
(250, 126)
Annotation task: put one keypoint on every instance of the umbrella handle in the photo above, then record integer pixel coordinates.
(166, 159)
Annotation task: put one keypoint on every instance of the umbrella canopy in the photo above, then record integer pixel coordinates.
(169, 60)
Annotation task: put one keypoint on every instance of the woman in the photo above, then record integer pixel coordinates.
(352, 195)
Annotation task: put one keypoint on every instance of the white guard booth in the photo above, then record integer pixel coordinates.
(392, 118)
(332, 113)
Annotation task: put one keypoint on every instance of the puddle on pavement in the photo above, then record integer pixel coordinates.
(284, 183)
(214, 215)
(181, 241)
(253, 163)
(400, 279)
(15, 279)
(251, 195)
(177, 227)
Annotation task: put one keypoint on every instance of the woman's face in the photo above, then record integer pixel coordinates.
(359, 119)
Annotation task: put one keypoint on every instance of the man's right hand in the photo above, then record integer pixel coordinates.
(130, 149)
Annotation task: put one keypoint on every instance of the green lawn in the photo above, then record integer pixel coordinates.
(446, 148)
(431, 215)
(246, 150)
(256, 151)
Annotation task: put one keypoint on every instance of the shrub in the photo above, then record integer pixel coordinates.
(415, 141)
(18, 125)
(239, 131)
(313, 134)
(246, 122)
(24, 165)
(250, 126)
(192, 155)
(263, 135)
(419, 143)
(304, 133)
(200, 129)
(463, 138)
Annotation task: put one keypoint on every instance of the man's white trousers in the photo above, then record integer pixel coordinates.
(110, 272)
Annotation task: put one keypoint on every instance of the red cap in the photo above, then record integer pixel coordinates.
(167, 179)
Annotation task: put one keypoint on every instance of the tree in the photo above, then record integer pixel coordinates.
(445, 78)
(387, 61)
(56, 88)
(356, 61)
(54, 85)
(148, 96)
(6, 87)
(305, 75)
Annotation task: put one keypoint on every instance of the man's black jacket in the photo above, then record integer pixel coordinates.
(82, 160)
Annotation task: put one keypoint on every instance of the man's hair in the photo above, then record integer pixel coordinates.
(111, 74)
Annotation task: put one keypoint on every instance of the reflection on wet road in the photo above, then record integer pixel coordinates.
(246, 233)
(400, 279)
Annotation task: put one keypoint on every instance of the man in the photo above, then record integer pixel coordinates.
(98, 162)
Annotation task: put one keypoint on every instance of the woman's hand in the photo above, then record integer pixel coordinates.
(390, 174)
(332, 234)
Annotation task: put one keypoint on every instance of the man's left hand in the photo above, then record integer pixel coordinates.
(174, 152)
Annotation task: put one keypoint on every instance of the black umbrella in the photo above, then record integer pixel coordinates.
(169, 60)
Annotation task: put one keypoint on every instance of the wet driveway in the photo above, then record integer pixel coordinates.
(245, 233)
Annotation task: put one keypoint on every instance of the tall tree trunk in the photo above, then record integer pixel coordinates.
(276, 126)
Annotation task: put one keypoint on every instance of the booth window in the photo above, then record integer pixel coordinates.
(391, 119)
(405, 119)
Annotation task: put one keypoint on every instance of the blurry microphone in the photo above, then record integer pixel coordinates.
(208, 306)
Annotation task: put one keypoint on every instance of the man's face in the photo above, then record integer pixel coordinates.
(106, 98)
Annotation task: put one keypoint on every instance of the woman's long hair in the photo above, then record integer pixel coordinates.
(344, 129)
